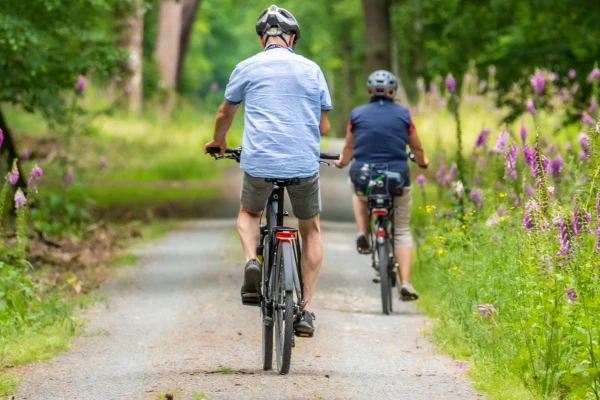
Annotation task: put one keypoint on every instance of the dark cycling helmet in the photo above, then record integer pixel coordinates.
(275, 21)
(382, 84)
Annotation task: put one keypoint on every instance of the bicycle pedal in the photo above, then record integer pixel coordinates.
(251, 299)
(363, 252)
(376, 280)
(303, 334)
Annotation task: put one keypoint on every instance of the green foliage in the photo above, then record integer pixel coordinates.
(63, 212)
(46, 44)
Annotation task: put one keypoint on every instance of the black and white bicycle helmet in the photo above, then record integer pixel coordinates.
(382, 84)
(275, 21)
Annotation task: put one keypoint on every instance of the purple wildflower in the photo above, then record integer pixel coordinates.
(586, 119)
(421, 179)
(102, 163)
(584, 142)
(538, 81)
(80, 85)
(563, 238)
(530, 207)
(25, 154)
(593, 106)
(501, 211)
(568, 146)
(476, 197)
(523, 132)
(486, 309)
(510, 158)
(13, 175)
(571, 295)
(1, 137)
(69, 177)
(477, 181)
(20, 199)
(36, 172)
(598, 206)
(556, 165)
(500, 145)
(482, 138)
(493, 220)
(595, 74)
(481, 162)
(452, 172)
(529, 190)
(529, 154)
(572, 74)
(214, 87)
(598, 236)
(439, 176)
(460, 365)
(450, 83)
(530, 107)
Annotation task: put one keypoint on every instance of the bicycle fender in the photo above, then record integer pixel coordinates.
(288, 264)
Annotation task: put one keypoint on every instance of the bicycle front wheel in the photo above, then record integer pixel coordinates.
(384, 278)
(284, 307)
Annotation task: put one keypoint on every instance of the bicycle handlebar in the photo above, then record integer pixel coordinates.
(238, 150)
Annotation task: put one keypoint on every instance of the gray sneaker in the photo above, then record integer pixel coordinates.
(408, 292)
(252, 282)
(304, 327)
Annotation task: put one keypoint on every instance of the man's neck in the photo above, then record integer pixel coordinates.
(276, 41)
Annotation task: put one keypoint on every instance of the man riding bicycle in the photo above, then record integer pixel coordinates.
(286, 104)
(378, 134)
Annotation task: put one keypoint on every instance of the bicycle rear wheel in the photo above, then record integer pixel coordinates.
(267, 316)
(384, 277)
(284, 308)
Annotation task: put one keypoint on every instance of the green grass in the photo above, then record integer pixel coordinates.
(30, 344)
(199, 395)
(143, 195)
(225, 370)
(169, 394)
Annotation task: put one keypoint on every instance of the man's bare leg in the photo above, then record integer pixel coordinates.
(248, 228)
(312, 256)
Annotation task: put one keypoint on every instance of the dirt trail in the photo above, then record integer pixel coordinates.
(175, 324)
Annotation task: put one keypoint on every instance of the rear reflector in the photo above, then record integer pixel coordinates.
(381, 232)
(380, 211)
(286, 235)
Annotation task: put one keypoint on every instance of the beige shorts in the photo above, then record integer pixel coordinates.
(305, 196)
(402, 205)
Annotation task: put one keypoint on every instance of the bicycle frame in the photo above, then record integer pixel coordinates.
(275, 225)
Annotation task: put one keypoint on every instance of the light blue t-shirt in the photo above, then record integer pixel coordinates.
(284, 94)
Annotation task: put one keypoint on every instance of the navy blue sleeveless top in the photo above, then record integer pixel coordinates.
(381, 130)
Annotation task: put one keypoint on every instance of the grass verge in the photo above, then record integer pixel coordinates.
(47, 340)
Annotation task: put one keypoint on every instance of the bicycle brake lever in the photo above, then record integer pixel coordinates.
(324, 163)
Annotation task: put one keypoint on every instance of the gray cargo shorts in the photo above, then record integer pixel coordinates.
(305, 196)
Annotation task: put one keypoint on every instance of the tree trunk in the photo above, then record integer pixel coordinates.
(419, 64)
(348, 81)
(188, 16)
(167, 42)
(8, 146)
(130, 31)
(377, 32)
(401, 95)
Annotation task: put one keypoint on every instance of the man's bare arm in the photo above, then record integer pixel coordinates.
(348, 151)
(415, 145)
(324, 124)
(224, 120)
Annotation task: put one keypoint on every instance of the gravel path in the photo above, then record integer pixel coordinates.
(176, 324)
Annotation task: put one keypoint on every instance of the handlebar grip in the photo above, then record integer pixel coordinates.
(329, 156)
(213, 150)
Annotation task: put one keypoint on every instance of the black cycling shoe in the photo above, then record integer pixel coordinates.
(251, 286)
(362, 245)
(304, 326)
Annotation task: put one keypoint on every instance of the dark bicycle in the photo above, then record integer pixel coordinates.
(281, 299)
(381, 229)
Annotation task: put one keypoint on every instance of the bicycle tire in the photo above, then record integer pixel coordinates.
(267, 318)
(384, 281)
(283, 309)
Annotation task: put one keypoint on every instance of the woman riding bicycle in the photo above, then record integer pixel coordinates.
(378, 134)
